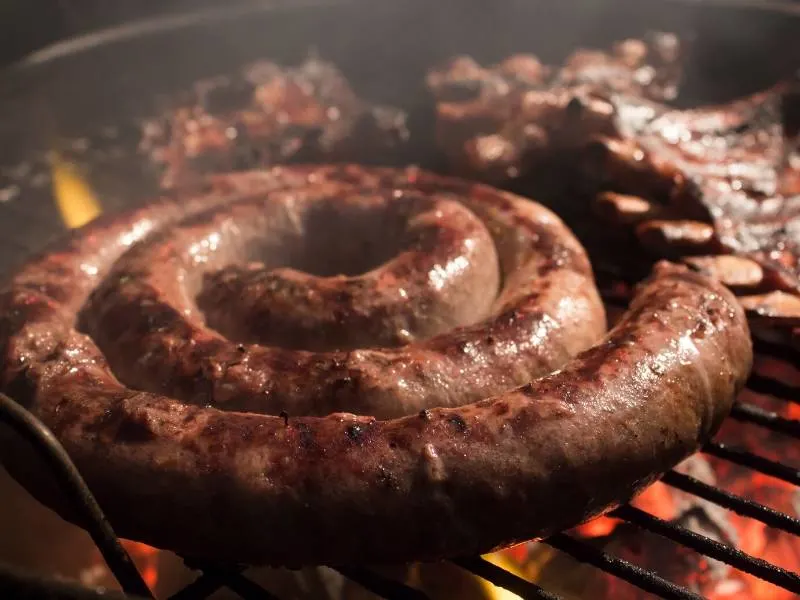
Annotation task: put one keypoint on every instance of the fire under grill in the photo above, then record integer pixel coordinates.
(776, 377)
(212, 577)
(26, 225)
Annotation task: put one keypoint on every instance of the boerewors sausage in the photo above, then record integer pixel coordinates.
(196, 358)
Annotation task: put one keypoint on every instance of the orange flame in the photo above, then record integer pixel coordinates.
(74, 198)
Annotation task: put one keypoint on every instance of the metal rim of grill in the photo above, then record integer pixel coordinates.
(213, 576)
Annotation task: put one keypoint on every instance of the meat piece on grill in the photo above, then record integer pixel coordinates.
(271, 114)
(439, 439)
(717, 187)
(500, 122)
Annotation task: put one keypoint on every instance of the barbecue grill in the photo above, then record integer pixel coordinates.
(76, 108)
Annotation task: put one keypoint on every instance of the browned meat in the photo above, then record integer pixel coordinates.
(270, 114)
(707, 182)
(457, 335)
(102, 338)
(500, 123)
(716, 187)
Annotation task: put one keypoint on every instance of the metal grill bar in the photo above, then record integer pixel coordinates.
(94, 521)
(773, 387)
(633, 574)
(741, 506)
(753, 461)
(236, 581)
(199, 589)
(226, 576)
(380, 585)
(711, 548)
(504, 579)
(764, 418)
(775, 350)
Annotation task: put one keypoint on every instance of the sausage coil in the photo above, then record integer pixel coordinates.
(333, 365)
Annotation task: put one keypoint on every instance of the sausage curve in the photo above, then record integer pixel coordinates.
(456, 459)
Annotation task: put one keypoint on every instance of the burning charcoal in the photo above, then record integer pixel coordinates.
(303, 584)
(673, 561)
(653, 552)
(561, 574)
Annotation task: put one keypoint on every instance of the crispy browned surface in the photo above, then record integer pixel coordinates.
(717, 181)
(499, 123)
(458, 336)
(707, 182)
(270, 114)
(172, 467)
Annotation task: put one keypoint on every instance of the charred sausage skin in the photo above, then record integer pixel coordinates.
(465, 467)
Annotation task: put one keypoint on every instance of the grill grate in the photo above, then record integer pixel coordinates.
(745, 458)
(68, 477)
(232, 578)
(627, 571)
(765, 385)
(753, 414)
(711, 548)
(213, 577)
(741, 506)
(382, 586)
(499, 576)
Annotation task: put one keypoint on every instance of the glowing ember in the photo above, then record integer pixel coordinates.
(597, 527)
(146, 559)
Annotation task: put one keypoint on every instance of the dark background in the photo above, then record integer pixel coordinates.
(26, 25)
